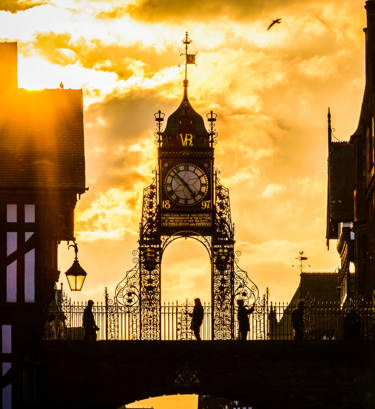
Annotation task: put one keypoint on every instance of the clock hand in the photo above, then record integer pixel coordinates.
(186, 184)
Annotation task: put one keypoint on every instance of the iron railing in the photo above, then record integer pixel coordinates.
(269, 321)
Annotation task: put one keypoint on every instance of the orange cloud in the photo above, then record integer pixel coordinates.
(124, 60)
(270, 90)
(15, 6)
(149, 10)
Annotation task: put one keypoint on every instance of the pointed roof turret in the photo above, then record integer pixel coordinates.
(185, 120)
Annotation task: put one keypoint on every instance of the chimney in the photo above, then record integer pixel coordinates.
(8, 67)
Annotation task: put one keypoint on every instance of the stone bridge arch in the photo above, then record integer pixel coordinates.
(264, 374)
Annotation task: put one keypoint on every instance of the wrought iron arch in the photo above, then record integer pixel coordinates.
(163, 222)
(206, 241)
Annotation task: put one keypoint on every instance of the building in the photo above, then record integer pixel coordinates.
(351, 189)
(320, 294)
(42, 174)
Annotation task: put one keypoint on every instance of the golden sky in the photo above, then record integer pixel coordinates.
(270, 89)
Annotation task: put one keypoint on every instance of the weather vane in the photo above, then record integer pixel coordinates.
(301, 258)
(189, 59)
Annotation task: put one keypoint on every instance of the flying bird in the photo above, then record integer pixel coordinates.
(276, 21)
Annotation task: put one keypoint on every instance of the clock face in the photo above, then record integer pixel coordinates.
(186, 184)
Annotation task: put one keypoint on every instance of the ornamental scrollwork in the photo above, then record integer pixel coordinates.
(149, 226)
(224, 228)
(126, 303)
(184, 314)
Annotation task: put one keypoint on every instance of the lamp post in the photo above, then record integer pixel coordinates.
(76, 274)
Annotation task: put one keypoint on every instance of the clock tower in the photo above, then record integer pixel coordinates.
(185, 168)
(185, 199)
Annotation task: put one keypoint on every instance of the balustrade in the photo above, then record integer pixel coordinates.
(323, 321)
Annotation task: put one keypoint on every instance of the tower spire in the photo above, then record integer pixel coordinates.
(329, 129)
(189, 59)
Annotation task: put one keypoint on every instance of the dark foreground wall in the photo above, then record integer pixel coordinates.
(266, 374)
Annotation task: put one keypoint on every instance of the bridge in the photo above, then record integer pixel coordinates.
(264, 374)
(37, 212)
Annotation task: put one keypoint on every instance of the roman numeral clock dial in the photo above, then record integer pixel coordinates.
(186, 184)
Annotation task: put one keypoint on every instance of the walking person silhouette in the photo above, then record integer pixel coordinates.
(197, 318)
(243, 319)
(298, 322)
(89, 322)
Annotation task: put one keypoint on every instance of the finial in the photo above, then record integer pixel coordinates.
(189, 59)
(75, 246)
(159, 118)
(329, 128)
(211, 118)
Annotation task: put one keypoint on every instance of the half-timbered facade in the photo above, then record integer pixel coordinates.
(42, 172)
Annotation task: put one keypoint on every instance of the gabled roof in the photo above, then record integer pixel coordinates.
(42, 139)
(321, 287)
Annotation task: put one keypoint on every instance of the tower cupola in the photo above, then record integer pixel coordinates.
(185, 124)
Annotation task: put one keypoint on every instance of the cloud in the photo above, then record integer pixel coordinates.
(109, 216)
(124, 118)
(15, 6)
(123, 59)
(120, 158)
(270, 91)
(272, 189)
(151, 10)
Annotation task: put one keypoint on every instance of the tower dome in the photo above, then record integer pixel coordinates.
(185, 123)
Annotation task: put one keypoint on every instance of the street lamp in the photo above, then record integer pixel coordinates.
(76, 274)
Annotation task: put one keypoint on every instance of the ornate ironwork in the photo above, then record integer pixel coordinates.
(150, 296)
(66, 307)
(211, 118)
(141, 287)
(246, 290)
(127, 296)
(224, 228)
(323, 320)
(223, 274)
(223, 293)
(244, 287)
(205, 240)
(149, 227)
(184, 314)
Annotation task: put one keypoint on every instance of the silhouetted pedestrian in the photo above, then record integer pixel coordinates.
(197, 318)
(352, 326)
(61, 327)
(272, 323)
(89, 322)
(298, 322)
(243, 319)
(50, 327)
